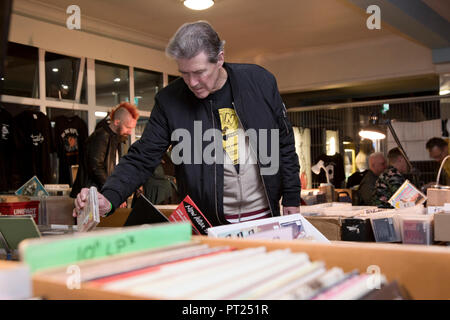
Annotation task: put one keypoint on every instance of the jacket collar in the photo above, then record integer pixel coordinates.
(235, 88)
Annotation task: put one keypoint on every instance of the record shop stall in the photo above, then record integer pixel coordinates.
(333, 159)
(129, 263)
(326, 134)
(50, 103)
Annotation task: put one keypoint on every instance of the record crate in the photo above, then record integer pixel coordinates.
(422, 271)
(21, 208)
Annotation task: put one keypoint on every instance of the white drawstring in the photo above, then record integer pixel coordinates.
(440, 169)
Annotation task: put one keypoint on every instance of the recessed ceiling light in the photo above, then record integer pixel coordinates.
(64, 86)
(2, 79)
(55, 69)
(116, 79)
(198, 4)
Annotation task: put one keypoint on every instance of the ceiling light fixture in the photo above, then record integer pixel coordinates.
(55, 69)
(198, 4)
(373, 131)
(117, 80)
(372, 134)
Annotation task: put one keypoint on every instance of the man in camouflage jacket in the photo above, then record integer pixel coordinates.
(390, 180)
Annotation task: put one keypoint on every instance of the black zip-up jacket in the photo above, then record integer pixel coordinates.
(258, 105)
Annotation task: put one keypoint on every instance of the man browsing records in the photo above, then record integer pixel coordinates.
(232, 144)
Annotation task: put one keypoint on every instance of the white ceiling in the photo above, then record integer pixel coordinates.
(249, 27)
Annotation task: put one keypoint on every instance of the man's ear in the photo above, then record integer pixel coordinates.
(220, 58)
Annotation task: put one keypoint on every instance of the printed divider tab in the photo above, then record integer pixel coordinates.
(44, 253)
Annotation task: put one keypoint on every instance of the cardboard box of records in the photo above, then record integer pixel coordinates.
(438, 197)
(164, 261)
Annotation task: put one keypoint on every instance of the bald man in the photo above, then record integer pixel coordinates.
(377, 164)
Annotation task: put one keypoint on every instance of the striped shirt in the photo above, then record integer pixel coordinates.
(243, 217)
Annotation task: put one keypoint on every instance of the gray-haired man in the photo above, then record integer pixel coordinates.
(203, 115)
(377, 164)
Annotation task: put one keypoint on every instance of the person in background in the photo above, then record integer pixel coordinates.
(362, 163)
(103, 148)
(391, 179)
(438, 150)
(362, 158)
(377, 164)
(160, 187)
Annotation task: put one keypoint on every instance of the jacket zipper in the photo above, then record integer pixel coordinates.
(284, 117)
(240, 189)
(257, 162)
(215, 164)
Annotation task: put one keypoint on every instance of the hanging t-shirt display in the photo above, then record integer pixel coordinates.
(335, 167)
(70, 135)
(6, 149)
(34, 144)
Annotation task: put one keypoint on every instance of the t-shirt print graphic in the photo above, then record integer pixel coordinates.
(37, 139)
(230, 123)
(70, 140)
(4, 131)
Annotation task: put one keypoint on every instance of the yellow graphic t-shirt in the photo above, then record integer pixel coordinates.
(229, 125)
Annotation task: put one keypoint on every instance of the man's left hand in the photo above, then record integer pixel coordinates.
(290, 210)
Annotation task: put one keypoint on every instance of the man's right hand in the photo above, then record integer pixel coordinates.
(104, 206)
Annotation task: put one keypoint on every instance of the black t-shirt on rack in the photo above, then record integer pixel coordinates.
(335, 167)
(70, 136)
(34, 144)
(222, 104)
(6, 149)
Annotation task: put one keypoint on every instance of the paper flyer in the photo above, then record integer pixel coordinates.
(407, 196)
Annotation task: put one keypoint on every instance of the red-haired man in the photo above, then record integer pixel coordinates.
(104, 146)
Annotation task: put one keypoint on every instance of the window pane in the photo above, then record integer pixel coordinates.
(61, 76)
(21, 76)
(83, 96)
(146, 86)
(140, 126)
(101, 116)
(111, 84)
(53, 113)
(16, 109)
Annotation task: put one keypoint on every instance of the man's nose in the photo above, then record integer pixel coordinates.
(192, 81)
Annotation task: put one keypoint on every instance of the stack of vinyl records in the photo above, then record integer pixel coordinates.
(192, 270)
